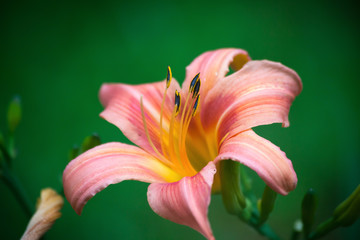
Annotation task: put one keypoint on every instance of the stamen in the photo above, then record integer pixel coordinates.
(193, 82)
(168, 81)
(161, 157)
(168, 77)
(196, 105)
(177, 150)
(196, 88)
(174, 153)
(187, 114)
(177, 102)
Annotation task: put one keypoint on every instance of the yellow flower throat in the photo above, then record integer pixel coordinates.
(173, 148)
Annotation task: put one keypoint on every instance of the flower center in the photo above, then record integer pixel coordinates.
(172, 140)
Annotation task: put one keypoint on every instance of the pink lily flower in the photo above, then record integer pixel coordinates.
(180, 139)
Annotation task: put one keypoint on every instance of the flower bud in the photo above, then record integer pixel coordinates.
(349, 210)
(344, 215)
(74, 152)
(14, 113)
(232, 195)
(308, 208)
(90, 142)
(267, 203)
(47, 211)
(246, 182)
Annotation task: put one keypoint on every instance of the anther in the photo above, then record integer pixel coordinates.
(193, 82)
(177, 102)
(196, 105)
(168, 77)
(196, 88)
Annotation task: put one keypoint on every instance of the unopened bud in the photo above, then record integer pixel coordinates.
(344, 215)
(14, 113)
(349, 210)
(74, 152)
(266, 204)
(308, 209)
(233, 198)
(90, 142)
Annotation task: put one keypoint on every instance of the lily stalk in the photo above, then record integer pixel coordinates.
(8, 154)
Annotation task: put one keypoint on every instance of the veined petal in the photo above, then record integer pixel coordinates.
(213, 66)
(260, 93)
(186, 201)
(122, 108)
(107, 164)
(266, 159)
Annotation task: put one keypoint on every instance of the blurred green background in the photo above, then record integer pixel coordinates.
(56, 55)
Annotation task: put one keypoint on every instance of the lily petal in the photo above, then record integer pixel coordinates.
(107, 164)
(122, 108)
(260, 93)
(266, 159)
(213, 66)
(186, 201)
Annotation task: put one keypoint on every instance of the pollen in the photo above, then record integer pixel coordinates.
(177, 102)
(168, 77)
(196, 105)
(172, 138)
(196, 88)
(193, 82)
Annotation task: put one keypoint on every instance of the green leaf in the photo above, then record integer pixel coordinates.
(74, 152)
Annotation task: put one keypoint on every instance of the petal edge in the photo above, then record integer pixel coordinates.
(262, 156)
(186, 201)
(107, 164)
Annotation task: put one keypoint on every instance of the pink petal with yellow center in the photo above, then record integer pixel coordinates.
(122, 108)
(260, 93)
(266, 159)
(186, 201)
(107, 164)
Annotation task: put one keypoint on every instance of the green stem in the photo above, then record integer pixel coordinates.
(295, 235)
(5, 154)
(15, 186)
(264, 230)
(324, 228)
(268, 232)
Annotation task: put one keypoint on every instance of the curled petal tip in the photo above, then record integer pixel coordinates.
(186, 201)
(266, 159)
(108, 164)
